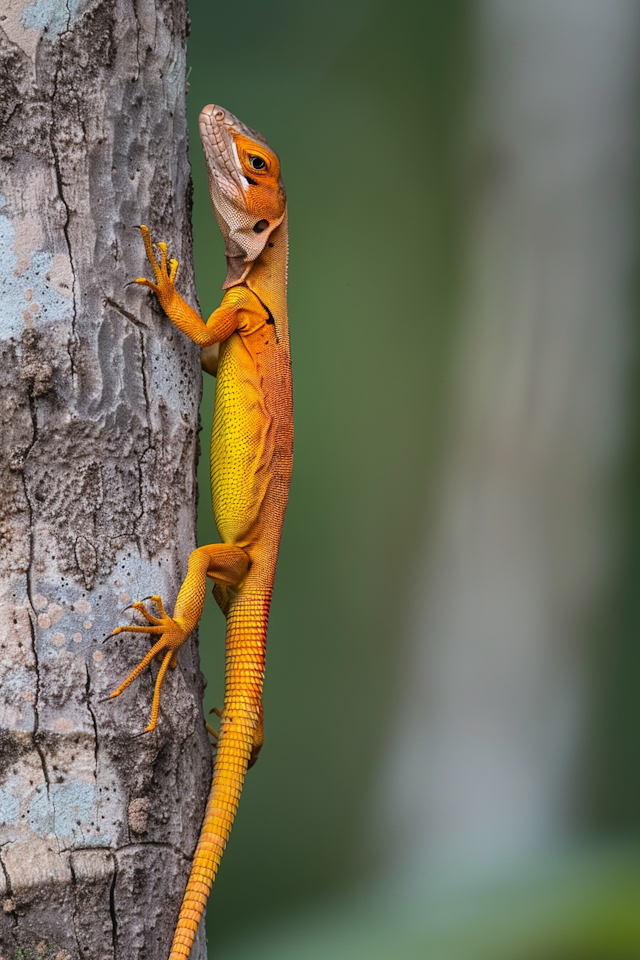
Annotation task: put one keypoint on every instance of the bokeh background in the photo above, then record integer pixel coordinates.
(452, 764)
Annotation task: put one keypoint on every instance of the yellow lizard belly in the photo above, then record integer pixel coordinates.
(242, 444)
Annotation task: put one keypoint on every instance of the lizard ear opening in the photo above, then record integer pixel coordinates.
(260, 226)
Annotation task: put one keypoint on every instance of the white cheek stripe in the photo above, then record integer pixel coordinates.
(243, 179)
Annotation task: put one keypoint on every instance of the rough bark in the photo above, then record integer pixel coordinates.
(99, 417)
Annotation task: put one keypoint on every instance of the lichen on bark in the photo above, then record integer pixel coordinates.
(99, 418)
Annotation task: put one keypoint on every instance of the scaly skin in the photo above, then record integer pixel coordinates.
(251, 457)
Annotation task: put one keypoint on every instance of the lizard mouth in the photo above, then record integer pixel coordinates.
(217, 140)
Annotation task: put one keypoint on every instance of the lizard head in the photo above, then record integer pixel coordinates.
(246, 189)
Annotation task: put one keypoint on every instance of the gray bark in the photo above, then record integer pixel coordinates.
(99, 416)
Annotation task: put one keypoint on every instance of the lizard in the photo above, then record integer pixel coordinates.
(245, 343)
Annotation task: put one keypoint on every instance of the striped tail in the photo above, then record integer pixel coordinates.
(240, 731)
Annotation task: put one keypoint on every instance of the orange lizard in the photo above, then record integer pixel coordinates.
(246, 343)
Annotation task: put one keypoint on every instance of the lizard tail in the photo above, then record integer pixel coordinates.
(240, 739)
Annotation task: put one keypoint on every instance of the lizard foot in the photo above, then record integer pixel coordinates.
(213, 734)
(165, 272)
(210, 730)
(171, 635)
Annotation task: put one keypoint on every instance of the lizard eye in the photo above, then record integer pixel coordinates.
(257, 162)
(260, 226)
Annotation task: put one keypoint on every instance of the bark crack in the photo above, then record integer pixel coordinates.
(32, 629)
(135, 14)
(125, 313)
(93, 720)
(74, 888)
(145, 385)
(147, 410)
(140, 514)
(36, 704)
(59, 184)
(7, 880)
(163, 845)
(112, 907)
(140, 845)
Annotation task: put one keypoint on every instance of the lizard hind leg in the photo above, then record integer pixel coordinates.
(226, 564)
(222, 598)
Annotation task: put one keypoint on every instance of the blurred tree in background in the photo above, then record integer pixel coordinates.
(453, 664)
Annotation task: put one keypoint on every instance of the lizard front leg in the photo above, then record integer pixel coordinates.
(222, 322)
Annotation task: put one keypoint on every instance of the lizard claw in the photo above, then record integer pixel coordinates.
(210, 730)
(170, 636)
(212, 733)
(165, 272)
(147, 283)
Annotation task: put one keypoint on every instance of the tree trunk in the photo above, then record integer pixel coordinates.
(99, 413)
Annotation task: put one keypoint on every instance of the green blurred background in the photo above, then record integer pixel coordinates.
(369, 104)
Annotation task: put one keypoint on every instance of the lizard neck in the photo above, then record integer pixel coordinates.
(268, 278)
